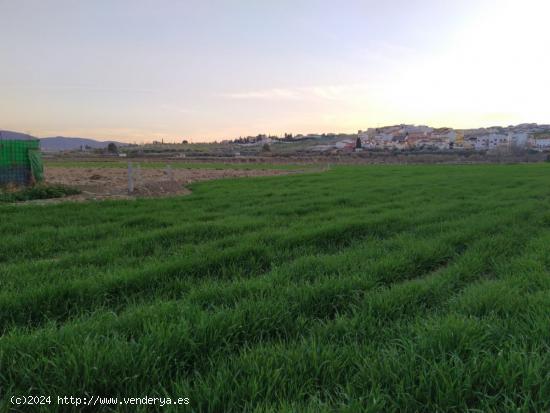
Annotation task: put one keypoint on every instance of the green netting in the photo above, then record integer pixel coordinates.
(37, 167)
(20, 161)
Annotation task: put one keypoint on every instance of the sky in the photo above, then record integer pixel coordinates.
(203, 70)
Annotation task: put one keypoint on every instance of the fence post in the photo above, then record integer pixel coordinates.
(130, 178)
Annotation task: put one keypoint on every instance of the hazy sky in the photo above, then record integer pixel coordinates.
(139, 70)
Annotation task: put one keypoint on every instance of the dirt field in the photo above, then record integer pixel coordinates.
(112, 183)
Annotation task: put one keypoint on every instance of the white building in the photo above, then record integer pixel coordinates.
(491, 141)
(518, 139)
(540, 144)
(342, 144)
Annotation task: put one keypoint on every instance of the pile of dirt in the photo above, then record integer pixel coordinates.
(112, 183)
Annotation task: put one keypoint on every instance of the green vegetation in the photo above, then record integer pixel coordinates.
(179, 165)
(40, 191)
(380, 288)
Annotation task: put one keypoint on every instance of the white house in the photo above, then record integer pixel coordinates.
(540, 144)
(491, 141)
(342, 144)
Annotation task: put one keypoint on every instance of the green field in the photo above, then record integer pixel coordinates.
(177, 165)
(375, 289)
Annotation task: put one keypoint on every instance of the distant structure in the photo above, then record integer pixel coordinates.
(20, 159)
(411, 137)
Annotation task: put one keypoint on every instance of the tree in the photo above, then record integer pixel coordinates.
(112, 148)
(266, 148)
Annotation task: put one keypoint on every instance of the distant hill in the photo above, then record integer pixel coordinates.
(16, 136)
(61, 143)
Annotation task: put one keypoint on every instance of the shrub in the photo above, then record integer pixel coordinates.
(41, 191)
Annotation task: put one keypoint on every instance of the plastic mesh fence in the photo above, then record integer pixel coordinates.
(15, 161)
(37, 168)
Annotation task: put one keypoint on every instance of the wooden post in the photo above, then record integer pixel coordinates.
(130, 178)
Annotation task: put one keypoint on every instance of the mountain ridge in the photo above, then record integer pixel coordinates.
(65, 143)
(59, 143)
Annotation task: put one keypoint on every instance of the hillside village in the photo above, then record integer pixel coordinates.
(404, 137)
(529, 136)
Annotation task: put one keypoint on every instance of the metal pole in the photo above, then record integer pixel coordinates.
(138, 175)
(130, 178)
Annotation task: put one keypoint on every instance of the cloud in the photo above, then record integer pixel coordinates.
(266, 94)
(322, 92)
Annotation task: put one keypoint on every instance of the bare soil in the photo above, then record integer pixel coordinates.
(112, 183)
